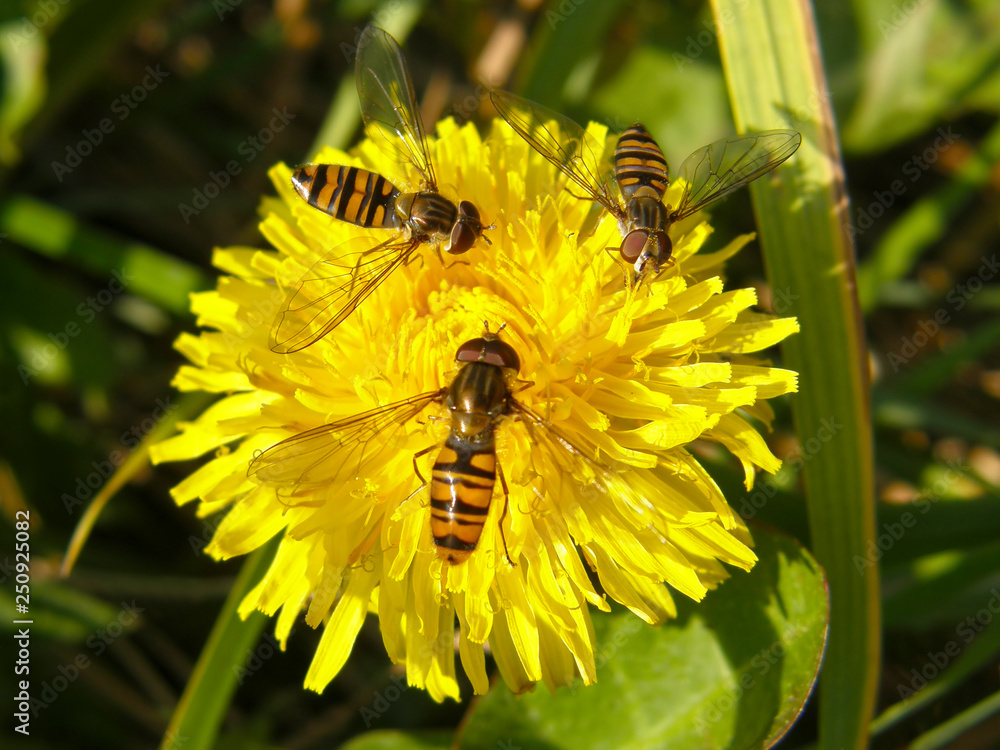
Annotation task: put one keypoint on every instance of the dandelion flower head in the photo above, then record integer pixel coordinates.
(629, 377)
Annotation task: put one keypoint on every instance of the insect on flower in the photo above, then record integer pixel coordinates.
(632, 188)
(323, 300)
(465, 472)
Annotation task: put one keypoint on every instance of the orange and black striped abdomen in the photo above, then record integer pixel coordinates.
(461, 490)
(350, 194)
(639, 163)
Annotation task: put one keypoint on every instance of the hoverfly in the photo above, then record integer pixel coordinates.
(366, 199)
(465, 472)
(634, 192)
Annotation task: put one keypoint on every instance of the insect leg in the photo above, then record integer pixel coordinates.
(506, 507)
(416, 469)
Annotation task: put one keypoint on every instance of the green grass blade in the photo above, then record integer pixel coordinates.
(146, 272)
(771, 58)
(201, 709)
(344, 115)
(567, 38)
(945, 734)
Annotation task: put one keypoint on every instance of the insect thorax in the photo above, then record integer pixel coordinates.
(429, 215)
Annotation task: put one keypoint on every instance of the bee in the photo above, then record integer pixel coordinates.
(366, 199)
(632, 188)
(464, 474)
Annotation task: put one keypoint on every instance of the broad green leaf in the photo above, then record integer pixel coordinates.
(733, 671)
(771, 57)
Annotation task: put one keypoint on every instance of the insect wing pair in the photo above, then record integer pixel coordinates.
(464, 475)
(633, 185)
(366, 199)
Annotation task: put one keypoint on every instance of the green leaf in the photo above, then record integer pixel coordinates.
(771, 57)
(733, 671)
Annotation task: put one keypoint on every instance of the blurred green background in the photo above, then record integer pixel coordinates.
(136, 136)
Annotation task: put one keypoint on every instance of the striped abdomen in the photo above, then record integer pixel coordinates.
(639, 163)
(461, 490)
(350, 194)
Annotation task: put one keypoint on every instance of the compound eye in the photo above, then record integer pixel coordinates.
(664, 249)
(633, 245)
(463, 237)
(468, 212)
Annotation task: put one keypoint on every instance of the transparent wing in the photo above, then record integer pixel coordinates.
(332, 289)
(388, 104)
(578, 463)
(721, 167)
(336, 451)
(574, 151)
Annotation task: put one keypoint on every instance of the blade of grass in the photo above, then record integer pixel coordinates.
(147, 272)
(948, 732)
(771, 58)
(138, 460)
(209, 691)
(570, 36)
(344, 115)
(974, 657)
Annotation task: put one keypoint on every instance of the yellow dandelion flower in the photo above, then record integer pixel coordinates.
(629, 377)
